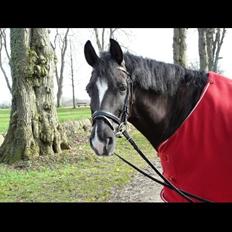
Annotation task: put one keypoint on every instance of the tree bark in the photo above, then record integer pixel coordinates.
(179, 46)
(34, 128)
(202, 49)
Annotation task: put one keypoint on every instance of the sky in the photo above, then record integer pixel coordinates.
(154, 43)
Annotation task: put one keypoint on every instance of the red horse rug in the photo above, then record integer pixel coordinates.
(197, 158)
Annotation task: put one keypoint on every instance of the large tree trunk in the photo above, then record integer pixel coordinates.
(34, 129)
(179, 46)
(202, 49)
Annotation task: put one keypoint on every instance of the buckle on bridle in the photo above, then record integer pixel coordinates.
(120, 129)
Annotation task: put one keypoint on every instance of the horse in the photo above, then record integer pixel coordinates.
(185, 114)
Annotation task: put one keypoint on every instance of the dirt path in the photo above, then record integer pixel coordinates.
(140, 189)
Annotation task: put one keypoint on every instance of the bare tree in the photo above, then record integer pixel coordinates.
(72, 76)
(34, 129)
(217, 44)
(209, 36)
(210, 43)
(202, 48)
(179, 46)
(3, 44)
(102, 37)
(60, 74)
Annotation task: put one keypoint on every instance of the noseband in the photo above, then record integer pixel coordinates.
(109, 117)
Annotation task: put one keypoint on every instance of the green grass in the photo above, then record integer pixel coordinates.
(78, 176)
(64, 114)
(4, 119)
(67, 114)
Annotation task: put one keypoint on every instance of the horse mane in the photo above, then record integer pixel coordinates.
(160, 77)
(163, 78)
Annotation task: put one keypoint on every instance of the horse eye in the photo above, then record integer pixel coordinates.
(122, 87)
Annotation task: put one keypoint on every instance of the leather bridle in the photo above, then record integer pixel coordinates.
(121, 121)
(121, 129)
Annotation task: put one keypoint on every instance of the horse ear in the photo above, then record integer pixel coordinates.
(90, 54)
(116, 51)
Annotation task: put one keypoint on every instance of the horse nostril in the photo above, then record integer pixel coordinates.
(109, 141)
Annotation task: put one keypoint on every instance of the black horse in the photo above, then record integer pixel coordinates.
(185, 114)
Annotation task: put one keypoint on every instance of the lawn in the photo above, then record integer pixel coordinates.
(4, 119)
(64, 114)
(76, 176)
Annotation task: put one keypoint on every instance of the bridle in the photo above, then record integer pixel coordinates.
(121, 129)
(122, 120)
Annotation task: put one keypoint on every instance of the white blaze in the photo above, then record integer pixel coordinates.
(102, 88)
(96, 143)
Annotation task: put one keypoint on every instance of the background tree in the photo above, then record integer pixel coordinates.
(202, 48)
(179, 46)
(60, 47)
(210, 43)
(102, 37)
(72, 76)
(215, 40)
(33, 129)
(3, 47)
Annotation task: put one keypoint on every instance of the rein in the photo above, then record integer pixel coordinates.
(121, 130)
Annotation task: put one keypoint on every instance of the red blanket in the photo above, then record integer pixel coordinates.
(198, 157)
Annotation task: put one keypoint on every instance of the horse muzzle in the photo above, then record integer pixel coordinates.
(102, 139)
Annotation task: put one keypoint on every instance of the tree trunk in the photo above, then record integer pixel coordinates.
(179, 46)
(202, 49)
(34, 129)
(102, 37)
(99, 45)
(72, 77)
(210, 42)
(61, 76)
(218, 41)
(58, 97)
(210, 46)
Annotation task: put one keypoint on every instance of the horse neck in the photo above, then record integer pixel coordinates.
(157, 115)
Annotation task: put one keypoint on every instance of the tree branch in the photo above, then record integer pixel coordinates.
(219, 41)
(103, 38)
(97, 40)
(3, 43)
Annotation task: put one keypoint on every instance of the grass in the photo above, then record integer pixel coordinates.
(64, 114)
(4, 119)
(76, 176)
